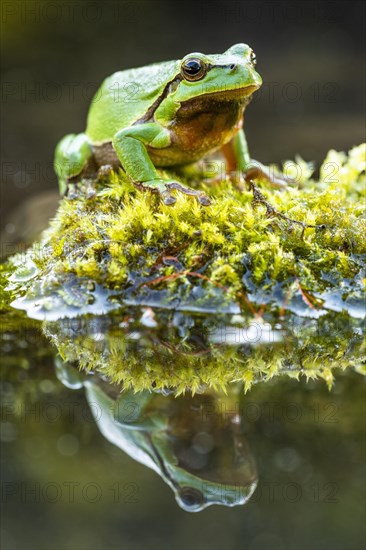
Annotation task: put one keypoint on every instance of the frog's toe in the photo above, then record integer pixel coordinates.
(104, 171)
(71, 192)
(168, 199)
(201, 197)
(204, 200)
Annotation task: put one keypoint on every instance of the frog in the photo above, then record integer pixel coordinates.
(165, 116)
(202, 456)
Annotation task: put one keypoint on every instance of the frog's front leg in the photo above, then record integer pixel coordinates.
(237, 156)
(130, 146)
(72, 155)
(131, 411)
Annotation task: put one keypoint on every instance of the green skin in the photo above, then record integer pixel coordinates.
(144, 425)
(162, 115)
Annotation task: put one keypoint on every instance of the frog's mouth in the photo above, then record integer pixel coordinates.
(229, 94)
(224, 100)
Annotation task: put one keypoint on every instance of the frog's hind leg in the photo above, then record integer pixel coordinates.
(73, 159)
(237, 157)
(250, 170)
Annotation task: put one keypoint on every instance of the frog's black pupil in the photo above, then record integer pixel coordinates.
(191, 498)
(192, 67)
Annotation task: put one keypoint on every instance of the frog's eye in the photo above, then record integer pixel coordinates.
(253, 58)
(191, 499)
(193, 68)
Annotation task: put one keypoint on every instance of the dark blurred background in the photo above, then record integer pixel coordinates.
(56, 53)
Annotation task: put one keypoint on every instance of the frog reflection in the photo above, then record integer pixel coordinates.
(197, 449)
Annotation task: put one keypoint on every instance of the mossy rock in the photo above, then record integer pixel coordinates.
(179, 352)
(122, 248)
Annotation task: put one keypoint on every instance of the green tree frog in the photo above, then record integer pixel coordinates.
(201, 454)
(168, 114)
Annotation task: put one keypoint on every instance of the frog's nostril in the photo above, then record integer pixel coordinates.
(232, 66)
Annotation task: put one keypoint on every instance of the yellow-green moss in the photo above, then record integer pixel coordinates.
(124, 247)
(192, 353)
(127, 240)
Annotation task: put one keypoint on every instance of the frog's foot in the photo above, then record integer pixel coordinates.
(164, 188)
(259, 171)
(104, 172)
(253, 172)
(83, 188)
(271, 211)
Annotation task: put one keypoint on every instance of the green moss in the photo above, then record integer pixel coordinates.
(123, 248)
(193, 352)
(128, 241)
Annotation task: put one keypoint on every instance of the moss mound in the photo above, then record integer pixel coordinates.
(180, 352)
(168, 275)
(123, 246)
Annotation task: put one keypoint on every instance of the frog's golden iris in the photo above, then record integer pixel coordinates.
(193, 69)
